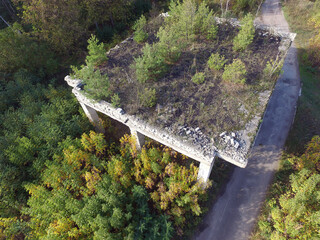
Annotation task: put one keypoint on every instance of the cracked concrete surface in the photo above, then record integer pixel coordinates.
(234, 214)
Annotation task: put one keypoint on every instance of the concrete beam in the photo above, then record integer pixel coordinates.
(93, 117)
(205, 171)
(140, 139)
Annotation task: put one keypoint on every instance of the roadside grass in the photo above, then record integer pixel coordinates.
(307, 119)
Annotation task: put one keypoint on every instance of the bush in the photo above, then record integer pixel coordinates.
(150, 65)
(293, 209)
(95, 84)
(20, 51)
(115, 100)
(212, 31)
(198, 78)
(170, 45)
(216, 62)
(235, 72)
(205, 22)
(148, 98)
(272, 68)
(245, 35)
(96, 51)
(241, 6)
(184, 21)
(140, 35)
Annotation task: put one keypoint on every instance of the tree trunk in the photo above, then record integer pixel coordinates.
(221, 5)
(227, 6)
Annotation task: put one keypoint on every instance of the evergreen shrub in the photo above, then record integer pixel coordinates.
(216, 62)
(150, 65)
(115, 100)
(245, 35)
(235, 72)
(148, 97)
(198, 78)
(97, 54)
(140, 34)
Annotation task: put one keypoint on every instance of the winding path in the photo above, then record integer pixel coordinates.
(233, 215)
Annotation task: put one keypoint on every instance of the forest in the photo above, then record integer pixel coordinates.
(59, 179)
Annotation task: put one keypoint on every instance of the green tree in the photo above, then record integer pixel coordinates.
(235, 72)
(96, 52)
(17, 50)
(140, 34)
(80, 196)
(96, 84)
(205, 23)
(33, 120)
(58, 22)
(295, 214)
(216, 61)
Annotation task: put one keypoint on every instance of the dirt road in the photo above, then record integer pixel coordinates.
(233, 215)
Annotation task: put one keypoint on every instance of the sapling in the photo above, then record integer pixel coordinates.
(245, 35)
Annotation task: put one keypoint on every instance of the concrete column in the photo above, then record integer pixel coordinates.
(93, 117)
(139, 138)
(205, 171)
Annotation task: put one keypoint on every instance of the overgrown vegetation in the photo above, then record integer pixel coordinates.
(184, 21)
(140, 34)
(67, 26)
(33, 120)
(216, 62)
(235, 72)
(175, 51)
(148, 97)
(18, 50)
(198, 78)
(55, 185)
(95, 84)
(95, 189)
(291, 210)
(245, 35)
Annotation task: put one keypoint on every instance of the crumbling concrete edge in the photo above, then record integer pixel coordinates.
(141, 126)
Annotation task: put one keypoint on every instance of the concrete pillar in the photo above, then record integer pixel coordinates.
(205, 171)
(93, 117)
(139, 138)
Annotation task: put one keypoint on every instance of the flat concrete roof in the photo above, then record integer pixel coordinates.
(232, 146)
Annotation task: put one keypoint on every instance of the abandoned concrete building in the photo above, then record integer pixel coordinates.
(232, 147)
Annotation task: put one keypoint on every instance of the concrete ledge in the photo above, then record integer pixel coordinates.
(142, 127)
